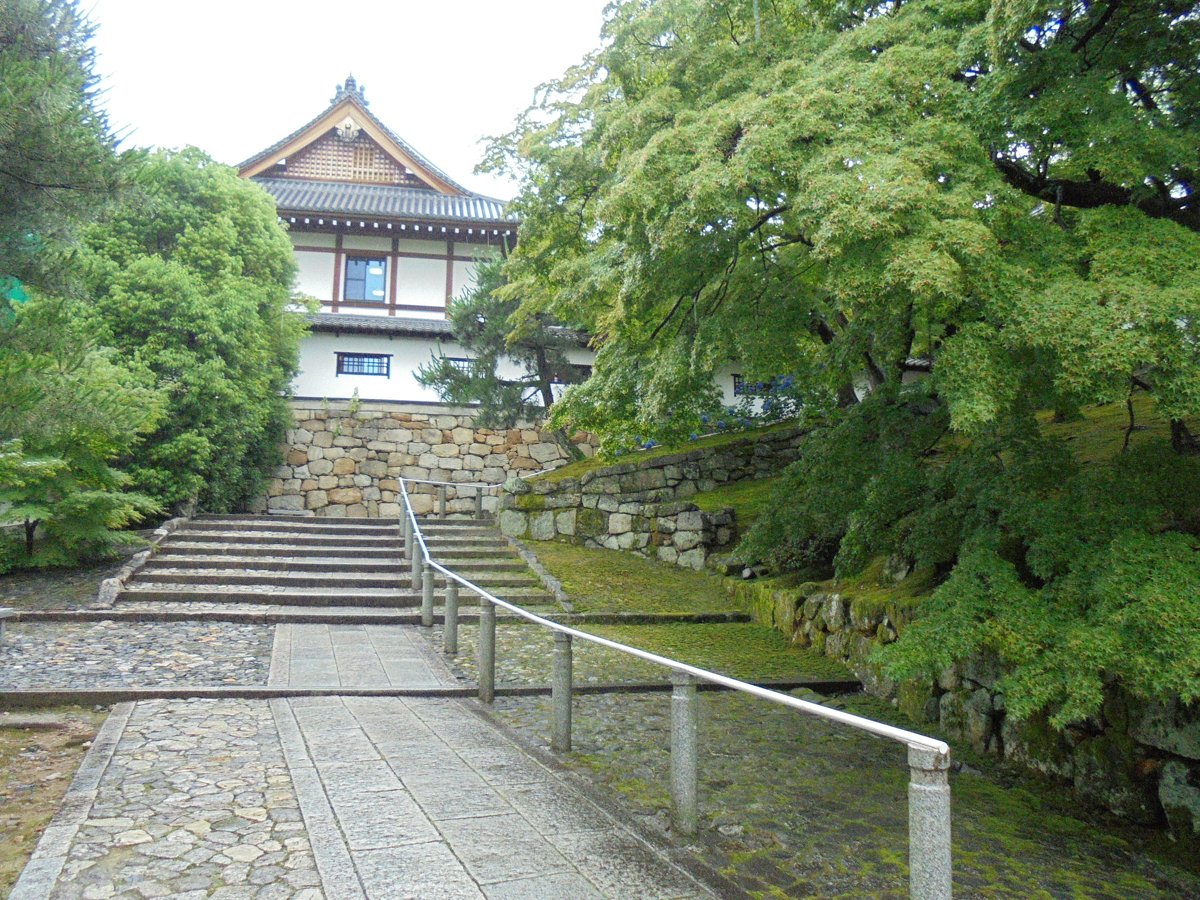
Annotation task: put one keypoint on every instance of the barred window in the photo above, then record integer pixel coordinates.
(464, 365)
(365, 364)
(739, 386)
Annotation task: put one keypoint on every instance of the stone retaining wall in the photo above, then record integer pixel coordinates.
(344, 459)
(641, 506)
(1138, 759)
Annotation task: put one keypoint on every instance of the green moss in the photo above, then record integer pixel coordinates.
(530, 502)
(583, 466)
(611, 581)
(748, 499)
(1098, 433)
(744, 650)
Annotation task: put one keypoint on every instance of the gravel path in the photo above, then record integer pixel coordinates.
(123, 654)
(197, 802)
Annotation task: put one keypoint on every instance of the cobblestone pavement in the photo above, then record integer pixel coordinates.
(123, 654)
(196, 802)
(794, 806)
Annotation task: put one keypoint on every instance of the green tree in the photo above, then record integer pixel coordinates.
(941, 217)
(515, 363)
(190, 277)
(57, 165)
(69, 412)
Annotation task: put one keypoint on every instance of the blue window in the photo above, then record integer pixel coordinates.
(365, 279)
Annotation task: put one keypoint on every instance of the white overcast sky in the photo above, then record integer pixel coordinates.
(234, 77)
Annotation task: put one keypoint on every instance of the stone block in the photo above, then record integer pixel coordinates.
(619, 523)
(422, 504)
(564, 522)
(686, 540)
(546, 452)
(462, 436)
(374, 468)
(1179, 794)
(445, 450)
(345, 495)
(389, 510)
(514, 523)
(316, 499)
(474, 463)
(382, 446)
(344, 466)
(692, 559)
(325, 482)
(297, 458)
(541, 526)
(1169, 726)
(286, 502)
(431, 435)
(357, 510)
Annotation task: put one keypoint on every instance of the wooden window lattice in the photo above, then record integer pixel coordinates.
(332, 159)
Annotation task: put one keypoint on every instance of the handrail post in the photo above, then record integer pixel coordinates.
(479, 502)
(416, 570)
(408, 537)
(450, 632)
(560, 692)
(441, 495)
(683, 751)
(929, 825)
(487, 650)
(427, 596)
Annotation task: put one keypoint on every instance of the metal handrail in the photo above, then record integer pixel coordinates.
(929, 758)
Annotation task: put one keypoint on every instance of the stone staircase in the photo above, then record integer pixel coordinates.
(256, 562)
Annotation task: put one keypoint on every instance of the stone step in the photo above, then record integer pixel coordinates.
(368, 597)
(276, 563)
(295, 540)
(236, 577)
(391, 533)
(456, 522)
(475, 531)
(384, 551)
(297, 523)
(194, 593)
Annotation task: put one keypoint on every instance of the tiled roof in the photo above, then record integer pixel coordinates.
(391, 201)
(349, 324)
(351, 91)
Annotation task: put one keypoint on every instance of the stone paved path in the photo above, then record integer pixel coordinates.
(354, 656)
(333, 797)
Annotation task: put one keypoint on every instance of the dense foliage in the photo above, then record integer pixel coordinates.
(68, 410)
(190, 280)
(940, 218)
(516, 363)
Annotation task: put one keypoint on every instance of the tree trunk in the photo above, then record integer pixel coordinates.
(31, 526)
(1182, 440)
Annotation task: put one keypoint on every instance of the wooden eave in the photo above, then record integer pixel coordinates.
(335, 116)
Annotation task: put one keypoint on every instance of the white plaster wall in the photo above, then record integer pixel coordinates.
(421, 282)
(314, 275)
(412, 245)
(318, 376)
(367, 242)
(464, 277)
(313, 239)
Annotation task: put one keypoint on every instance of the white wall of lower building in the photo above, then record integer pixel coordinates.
(318, 378)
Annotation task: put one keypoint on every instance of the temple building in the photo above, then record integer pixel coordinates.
(384, 239)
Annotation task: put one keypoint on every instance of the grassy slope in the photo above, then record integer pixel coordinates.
(611, 581)
(710, 442)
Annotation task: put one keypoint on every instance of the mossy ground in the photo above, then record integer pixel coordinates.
(611, 581)
(56, 588)
(709, 442)
(748, 499)
(798, 807)
(741, 650)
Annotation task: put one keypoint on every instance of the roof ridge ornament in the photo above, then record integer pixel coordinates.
(349, 89)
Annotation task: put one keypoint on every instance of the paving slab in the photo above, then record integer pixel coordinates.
(355, 656)
(423, 798)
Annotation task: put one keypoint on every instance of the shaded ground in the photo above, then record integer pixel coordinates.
(73, 588)
(524, 654)
(39, 753)
(793, 806)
